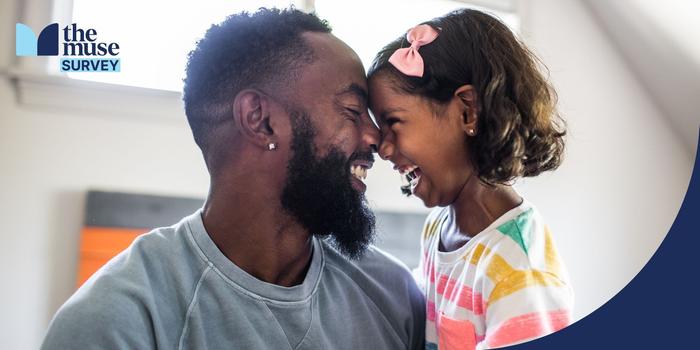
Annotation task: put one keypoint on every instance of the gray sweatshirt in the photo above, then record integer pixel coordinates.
(174, 289)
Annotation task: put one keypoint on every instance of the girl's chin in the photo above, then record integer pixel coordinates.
(421, 190)
(429, 204)
(425, 198)
(430, 198)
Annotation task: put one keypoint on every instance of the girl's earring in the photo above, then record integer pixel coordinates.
(470, 132)
(272, 146)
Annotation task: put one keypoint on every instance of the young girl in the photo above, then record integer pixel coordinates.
(464, 111)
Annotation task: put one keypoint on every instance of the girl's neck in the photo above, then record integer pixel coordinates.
(478, 205)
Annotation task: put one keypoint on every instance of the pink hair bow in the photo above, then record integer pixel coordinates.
(407, 60)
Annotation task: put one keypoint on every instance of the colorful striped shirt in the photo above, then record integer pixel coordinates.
(505, 286)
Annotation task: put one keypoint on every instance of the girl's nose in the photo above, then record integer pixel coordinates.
(386, 148)
(370, 134)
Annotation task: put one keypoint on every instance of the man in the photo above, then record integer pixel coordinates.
(279, 256)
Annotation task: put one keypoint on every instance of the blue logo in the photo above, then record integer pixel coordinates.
(26, 43)
(80, 47)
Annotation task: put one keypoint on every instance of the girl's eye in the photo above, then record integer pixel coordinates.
(391, 121)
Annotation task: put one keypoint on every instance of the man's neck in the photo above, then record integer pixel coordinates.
(258, 236)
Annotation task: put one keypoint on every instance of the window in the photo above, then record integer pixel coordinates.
(156, 35)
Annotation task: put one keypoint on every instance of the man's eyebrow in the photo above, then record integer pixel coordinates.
(354, 89)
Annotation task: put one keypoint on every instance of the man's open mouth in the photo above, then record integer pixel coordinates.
(359, 172)
(359, 168)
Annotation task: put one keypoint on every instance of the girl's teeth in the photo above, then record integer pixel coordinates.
(408, 170)
(411, 175)
(409, 181)
(413, 178)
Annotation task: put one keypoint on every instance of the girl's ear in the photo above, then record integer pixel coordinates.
(468, 99)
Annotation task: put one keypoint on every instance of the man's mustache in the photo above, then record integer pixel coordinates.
(361, 155)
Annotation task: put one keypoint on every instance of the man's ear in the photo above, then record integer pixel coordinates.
(251, 112)
(466, 94)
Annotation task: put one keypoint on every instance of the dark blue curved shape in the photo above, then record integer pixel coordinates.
(660, 307)
(47, 44)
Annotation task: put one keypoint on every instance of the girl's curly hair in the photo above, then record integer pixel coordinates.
(520, 132)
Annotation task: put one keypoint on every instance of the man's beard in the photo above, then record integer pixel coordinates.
(319, 193)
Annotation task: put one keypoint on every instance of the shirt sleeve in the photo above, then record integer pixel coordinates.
(417, 341)
(100, 321)
(527, 304)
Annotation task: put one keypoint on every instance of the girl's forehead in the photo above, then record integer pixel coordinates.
(381, 88)
(385, 91)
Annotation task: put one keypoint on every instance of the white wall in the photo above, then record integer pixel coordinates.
(626, 172)
(609, 205)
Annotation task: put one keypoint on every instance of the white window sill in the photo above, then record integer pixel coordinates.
(53, 92)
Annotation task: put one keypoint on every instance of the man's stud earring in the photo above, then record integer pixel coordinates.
(470, 132)
(271, 146)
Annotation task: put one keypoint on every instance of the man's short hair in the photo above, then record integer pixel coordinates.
(258, 50)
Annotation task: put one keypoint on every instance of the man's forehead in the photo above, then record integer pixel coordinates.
(328, 46)
(336, 68)
(354, 90)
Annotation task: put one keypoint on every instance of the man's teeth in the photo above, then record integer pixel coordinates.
(359, 172)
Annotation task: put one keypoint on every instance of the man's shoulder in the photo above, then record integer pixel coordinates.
(379, 261)
(159, 262)
(387, 284)
(126, 295)
(152, 257)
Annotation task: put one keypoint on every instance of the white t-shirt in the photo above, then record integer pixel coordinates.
(506, 285)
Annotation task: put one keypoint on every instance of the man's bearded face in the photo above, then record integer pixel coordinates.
(319, 194)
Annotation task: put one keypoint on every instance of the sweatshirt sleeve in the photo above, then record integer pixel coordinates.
(94, 319)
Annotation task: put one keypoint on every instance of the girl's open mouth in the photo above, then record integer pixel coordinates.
(410, 178)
